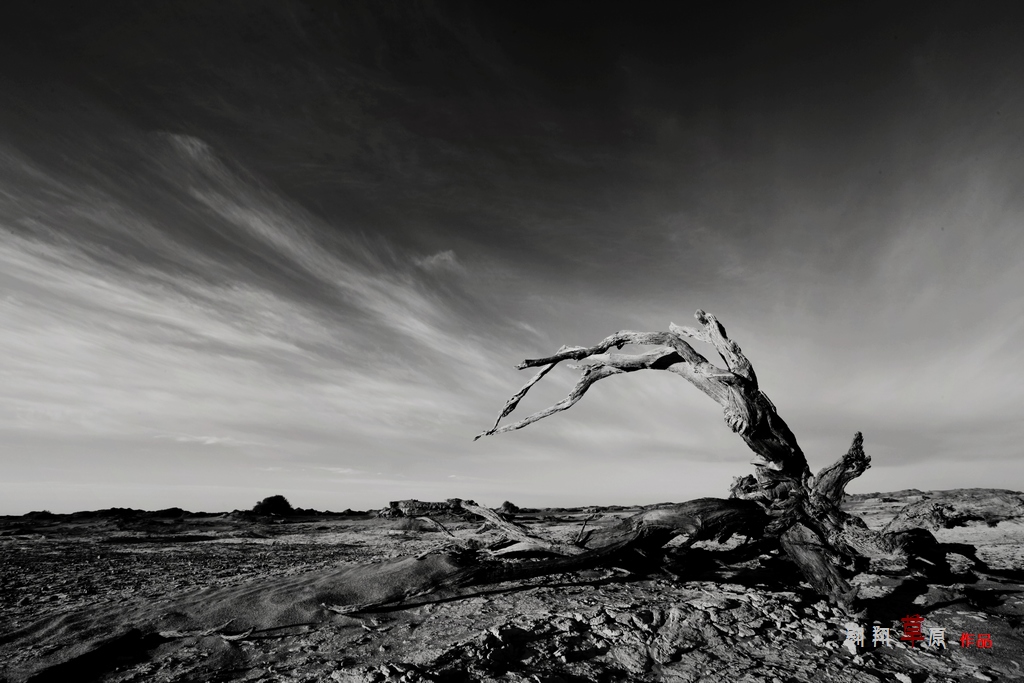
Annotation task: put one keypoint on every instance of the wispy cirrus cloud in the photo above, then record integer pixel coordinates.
(442, 261)
(340, 470)
(120, 325)
(339, 269)
(208, 440)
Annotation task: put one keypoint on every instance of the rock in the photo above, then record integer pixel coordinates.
(632, 659)
(567, 625)
(363, 675)
(645, 616)
(903, 678)
(710, 602)
(960, 508)
(419, 508)
(621, 617)
(508, 633)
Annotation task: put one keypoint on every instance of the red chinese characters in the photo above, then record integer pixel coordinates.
(912, 629)
(980, 640)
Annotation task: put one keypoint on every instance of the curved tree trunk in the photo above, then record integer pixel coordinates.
(801, 510)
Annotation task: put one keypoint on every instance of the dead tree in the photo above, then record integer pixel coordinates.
(781, 502)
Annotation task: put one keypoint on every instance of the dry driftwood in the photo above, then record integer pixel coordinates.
(787, 503)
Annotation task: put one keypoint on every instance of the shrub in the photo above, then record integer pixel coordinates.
(274, 505)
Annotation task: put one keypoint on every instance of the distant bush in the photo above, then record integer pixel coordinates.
(274, 505)
(173, 513)
(509, 508)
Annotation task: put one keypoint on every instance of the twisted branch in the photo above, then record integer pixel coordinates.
(748, 412)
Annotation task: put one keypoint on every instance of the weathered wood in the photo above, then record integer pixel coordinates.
(698, 520)
(526, 542)
(747, 410)
(830, 483)
(800, 511)
(817, 563)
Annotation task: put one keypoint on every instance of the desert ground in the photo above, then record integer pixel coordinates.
(713, 612)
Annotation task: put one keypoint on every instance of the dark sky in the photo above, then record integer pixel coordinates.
(252, 248)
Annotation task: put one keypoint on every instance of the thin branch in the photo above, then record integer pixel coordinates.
(511, 404)
(437, 525)
(675, 354)
(533, 547)
(511, 529)
(526, 541)
(590, 376)
(604, 365)
(579, 536)
(618, 340)
(747, 411)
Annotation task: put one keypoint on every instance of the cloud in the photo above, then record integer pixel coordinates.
(167, 333)
(366, 306)
(209, 440)
(340, 470)
(442, 261)
(529, 328)
(462, 477)
(387, 299)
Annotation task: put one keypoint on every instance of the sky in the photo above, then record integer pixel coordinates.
(258, 248)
